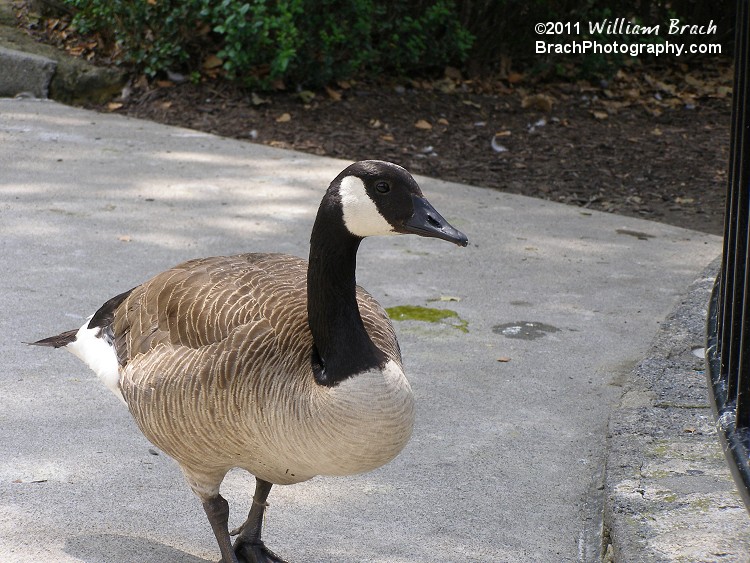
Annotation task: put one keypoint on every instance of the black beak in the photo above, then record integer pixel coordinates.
(427, 222)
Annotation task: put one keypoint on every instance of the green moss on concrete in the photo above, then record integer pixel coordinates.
(427, 315)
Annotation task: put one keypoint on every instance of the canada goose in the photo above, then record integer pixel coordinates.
(265, 362)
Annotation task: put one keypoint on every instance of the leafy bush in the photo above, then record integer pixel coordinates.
(311, 42)
(151, 35)
(341, 39)
(303, 42)
(432, 40)
(259, 39)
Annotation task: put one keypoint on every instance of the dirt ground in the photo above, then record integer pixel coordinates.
(649, 143)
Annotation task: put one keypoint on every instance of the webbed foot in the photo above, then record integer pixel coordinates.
(249, 547)
(255, 553)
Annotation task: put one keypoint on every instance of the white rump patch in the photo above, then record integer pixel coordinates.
(361, 215)
(96, 353)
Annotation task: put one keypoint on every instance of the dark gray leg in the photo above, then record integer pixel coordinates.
(248, 546)
(217, 510)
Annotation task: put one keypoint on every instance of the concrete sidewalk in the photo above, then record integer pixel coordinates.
(507, 458)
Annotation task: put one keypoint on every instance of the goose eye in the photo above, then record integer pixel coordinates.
(383, 187)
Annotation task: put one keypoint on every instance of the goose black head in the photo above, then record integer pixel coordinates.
(382, 198)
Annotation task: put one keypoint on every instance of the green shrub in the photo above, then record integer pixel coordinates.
(303, 42)
(309, 43)
(259, 39)
(337, 41)
(341, 39)
(430, 40)
(152, 36)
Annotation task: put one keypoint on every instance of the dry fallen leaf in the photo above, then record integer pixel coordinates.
(125, 238)
(453, 73)
(600, 115)
(443, 121)
(612, 106)
(540, 102)
(694, 82)
(306, 96)
(211, 62)
(685, 100)
(284, 118)
(632, 93)
(257, 100)
(387, 138)
(446, 85)
(422, 124)
(335, 95)
(723, 91)
(659, 85)
(503, 359)
(112, 106)
(505, 67)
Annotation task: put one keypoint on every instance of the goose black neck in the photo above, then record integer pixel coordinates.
(342, 347)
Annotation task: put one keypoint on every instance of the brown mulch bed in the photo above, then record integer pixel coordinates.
(653, 144)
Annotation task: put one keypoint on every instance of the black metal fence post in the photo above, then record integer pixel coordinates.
(728, 327)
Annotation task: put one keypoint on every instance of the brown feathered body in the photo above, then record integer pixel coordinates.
(215, 366)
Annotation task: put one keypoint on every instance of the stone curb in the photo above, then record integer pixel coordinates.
(39, 70)
(25, 73)
(670, 495)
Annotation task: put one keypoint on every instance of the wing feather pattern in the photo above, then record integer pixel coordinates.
(201, 344)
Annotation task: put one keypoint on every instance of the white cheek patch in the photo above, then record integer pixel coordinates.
(361, 216)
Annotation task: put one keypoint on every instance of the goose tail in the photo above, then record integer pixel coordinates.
(58, 341)
(94, 343)
(91, 346)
